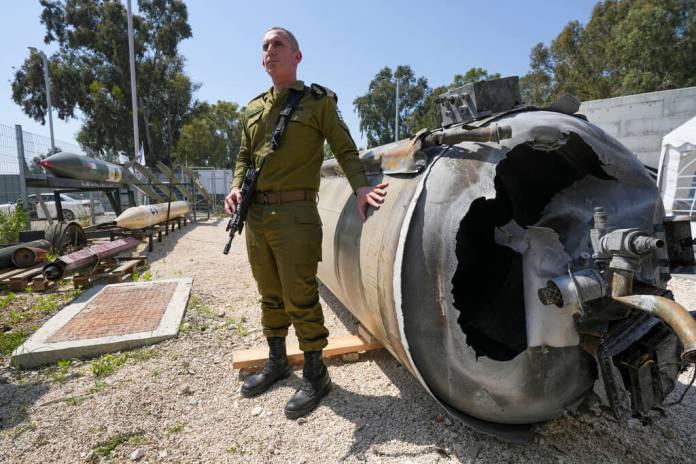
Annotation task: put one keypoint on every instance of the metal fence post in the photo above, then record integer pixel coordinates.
(22, 167)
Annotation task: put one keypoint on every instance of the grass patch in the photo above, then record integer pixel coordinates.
(106, 448)
(176, 428)
(10, 341)
(143, 355)
(6, 300)
(108, 364)
(242, 329)
(46, 304)
(76, 400)
(62, 369)
(97, 387)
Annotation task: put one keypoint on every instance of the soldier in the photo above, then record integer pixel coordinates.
(283, 135)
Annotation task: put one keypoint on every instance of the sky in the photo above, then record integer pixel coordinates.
(344, 44)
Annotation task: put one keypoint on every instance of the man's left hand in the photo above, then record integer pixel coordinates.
(370, 196)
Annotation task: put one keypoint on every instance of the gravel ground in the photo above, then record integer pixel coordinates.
(178, 401)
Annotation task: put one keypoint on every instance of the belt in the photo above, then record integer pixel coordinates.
(270, 198)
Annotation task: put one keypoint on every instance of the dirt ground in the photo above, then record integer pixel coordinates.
(179, 401)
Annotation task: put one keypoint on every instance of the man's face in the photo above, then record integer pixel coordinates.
(279, 59)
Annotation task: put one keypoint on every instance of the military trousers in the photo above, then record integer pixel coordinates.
(284, 247)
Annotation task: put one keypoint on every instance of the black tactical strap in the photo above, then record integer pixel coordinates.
(291, 103)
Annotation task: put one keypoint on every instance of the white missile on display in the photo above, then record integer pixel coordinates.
(139, 217)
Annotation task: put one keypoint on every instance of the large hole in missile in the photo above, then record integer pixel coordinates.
(487, 285)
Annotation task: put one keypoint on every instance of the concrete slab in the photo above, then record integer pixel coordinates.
(109, 318)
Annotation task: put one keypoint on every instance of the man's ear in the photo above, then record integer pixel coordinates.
(298, 56)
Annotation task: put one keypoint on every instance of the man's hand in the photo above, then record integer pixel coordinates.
(372, 196)
(232, 200)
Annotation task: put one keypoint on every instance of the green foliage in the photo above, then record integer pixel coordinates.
(108, 364)
(418, 107)
(90, 73)
(627, 47)
(10, 341)
(212, 136)
(242, 329)
(46, 304)
(176, 428)
(105, 448)
(11, 224)
(328, 154)
(377, 107)
(62, 369)
(6, 300)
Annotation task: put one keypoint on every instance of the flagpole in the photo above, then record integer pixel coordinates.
(134, 96)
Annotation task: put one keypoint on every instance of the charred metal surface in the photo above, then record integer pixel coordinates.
(447, 272)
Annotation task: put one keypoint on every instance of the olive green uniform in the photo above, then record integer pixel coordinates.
(284, 239)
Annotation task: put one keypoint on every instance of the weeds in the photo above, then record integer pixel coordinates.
(76, 400)
(59, 374)
(6, 300)
(176, 428)
(47, 304)
(108, 364)
(143, 355)
(105, 448)
(97, 387)
(242, 329)
(10, 341)
(144, 277)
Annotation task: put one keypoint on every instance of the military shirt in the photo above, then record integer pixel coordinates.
(296, 164)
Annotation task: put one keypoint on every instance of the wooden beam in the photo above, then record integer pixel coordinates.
(172, 178)
(337, 346)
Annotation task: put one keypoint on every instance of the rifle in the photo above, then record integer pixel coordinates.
(236, 222)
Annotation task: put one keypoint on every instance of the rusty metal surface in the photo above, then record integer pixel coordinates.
(673, 314)
(87, 257)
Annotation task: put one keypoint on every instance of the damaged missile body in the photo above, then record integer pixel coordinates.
(450, 271)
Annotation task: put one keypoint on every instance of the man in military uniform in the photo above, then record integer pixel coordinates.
(283, 228)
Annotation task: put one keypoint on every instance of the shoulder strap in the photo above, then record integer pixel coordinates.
(291, 103)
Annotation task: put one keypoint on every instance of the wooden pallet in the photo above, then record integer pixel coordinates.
(113, 270)
(243, 359)
(19, 279)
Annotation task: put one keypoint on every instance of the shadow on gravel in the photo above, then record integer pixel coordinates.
(162, 249)
(382, 418)
(15, 401)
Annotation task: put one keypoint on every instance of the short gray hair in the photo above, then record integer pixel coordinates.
(291, 37)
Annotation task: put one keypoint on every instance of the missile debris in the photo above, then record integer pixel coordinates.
(86, 257)
(447, 272)
(28, 256)
(7, 254)
(139, 217)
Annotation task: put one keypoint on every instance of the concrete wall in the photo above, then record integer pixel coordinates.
(640, 121)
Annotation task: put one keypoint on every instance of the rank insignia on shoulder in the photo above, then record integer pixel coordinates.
(320, 91)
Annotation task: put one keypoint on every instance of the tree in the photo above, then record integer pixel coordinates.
(212, 136)
(627, 47)
(377, 107)
(90, 73)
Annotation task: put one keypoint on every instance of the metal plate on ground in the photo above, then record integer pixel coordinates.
(109, 318)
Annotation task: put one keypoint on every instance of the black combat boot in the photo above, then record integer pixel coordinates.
(316, 384)
(276, 368)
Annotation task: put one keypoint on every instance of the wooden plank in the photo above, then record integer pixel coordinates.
(337, 346)
(28, 273)
(12, 272)
(197, 183)
(125, 268)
